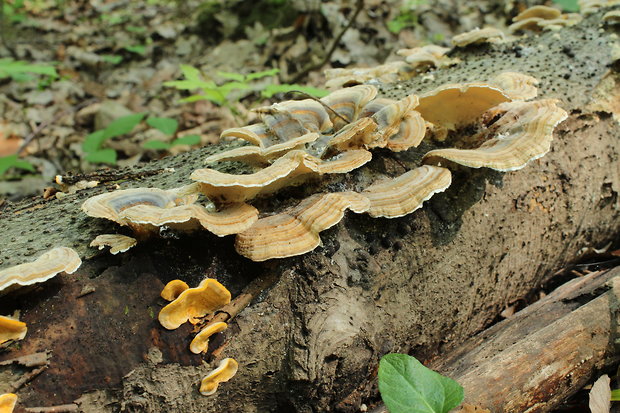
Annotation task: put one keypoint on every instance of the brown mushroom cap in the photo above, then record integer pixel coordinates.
(523, 133)
(291, 169)
(225, 371)
(200, 343)
(11, 329)
(8, 402)
(454, 105)
(348, 103)
(116, 242)
(400, 127)
(486, 35)
(296, 231)
(52, 262)
(429, 55)
(355, 135)
(543, 12)
(312, 115)
(173, 289)
(532, 23)
(111, 204)
(396, 197)
(194, 303)
(256, 134)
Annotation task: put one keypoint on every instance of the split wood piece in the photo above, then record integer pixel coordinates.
(454, 105)
(522, 134)
(263, 155)
(516, 85)
(522, 363)
(194, 303)
(110, 205)
(396, 197)
(477, 36)
(292, 169)
(296, 231)
(233, 219)
(348, 103)
(11, 329)
(7, 402)
(54, 261)
(63, 408)
(116, 242)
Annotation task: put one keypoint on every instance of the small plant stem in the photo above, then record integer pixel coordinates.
(338, 115)
(313, 66)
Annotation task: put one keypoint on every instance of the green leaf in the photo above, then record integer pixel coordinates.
(12, 68)
(93, 141)
(112, 58)
(228, 87)
(259, 75)
(122, 125)
(190, 73)
(231, 76)
(138, 49)
(187, 140)
(155, 144)
(271, 90)
(615, 395)
(167, 126)
(213, 95)
(568, 5)
(102, 156)
(190, 84)
(407, 386)
(12, 161)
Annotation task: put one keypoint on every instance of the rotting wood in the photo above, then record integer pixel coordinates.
(312, 341)
(539, 357)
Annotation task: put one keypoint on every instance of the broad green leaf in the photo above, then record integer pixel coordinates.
(190, 72)
(259, 75)
(271, 90)
(102, 156)
(138, 49)
(407, 386)
(190, 84)
(10, 67)
(112, 58)
(93, 141)
(167, 126)
(212, 95)
(122, 125)
(187, 140)
(155, 144)
(231, 76)
(226, 88)
(12, 161)
(568, 5)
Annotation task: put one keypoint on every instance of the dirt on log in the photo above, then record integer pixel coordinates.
(418, 284)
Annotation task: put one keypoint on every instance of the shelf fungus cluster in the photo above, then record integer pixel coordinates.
(193, 305)
(538, 18)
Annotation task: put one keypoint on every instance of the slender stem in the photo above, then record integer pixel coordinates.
(338, 115)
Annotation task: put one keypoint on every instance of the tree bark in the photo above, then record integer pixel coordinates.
(420, 284)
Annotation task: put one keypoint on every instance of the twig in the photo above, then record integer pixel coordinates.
(15, 385)
(313, 66)
(53, 409)
(322, 103)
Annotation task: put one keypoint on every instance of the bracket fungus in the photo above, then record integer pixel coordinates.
(397, 197)
(11, 329)
(200, 343)
(477, 36)
(7, 402)
(194, 303)
(517, 86)
(50, 263)
(116, 242)
(348, 103)
(173, 289)
(225, 371)
(296, 230)
(539, 18)
(522, 134)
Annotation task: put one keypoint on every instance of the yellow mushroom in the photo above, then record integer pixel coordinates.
(11, 329)
(200, 343)
(7, 402)
(173, 289)
(224, 372)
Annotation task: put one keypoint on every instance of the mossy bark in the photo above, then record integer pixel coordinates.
(418, 284)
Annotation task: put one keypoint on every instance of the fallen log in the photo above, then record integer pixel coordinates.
(420, 284)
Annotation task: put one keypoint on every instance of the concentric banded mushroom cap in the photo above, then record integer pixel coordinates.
(355, 135)
(200, 343)
(312, 115)
(291, 169)
(453, 105)
(194, 303)
(225, 371)
(522, 134)
(400, 127)
(429, 55)
(111, 204)
(116, 242)
(52, 262)
(486, 35)
(173, 289)
(256, 134)
(11, 329)
(516, 85)
(296, 231)
(385, 73)
(7, 402)
(612, 17)
(281, 123)
(348, 103)
(410, 134)
(396, 197)
(543, 12)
